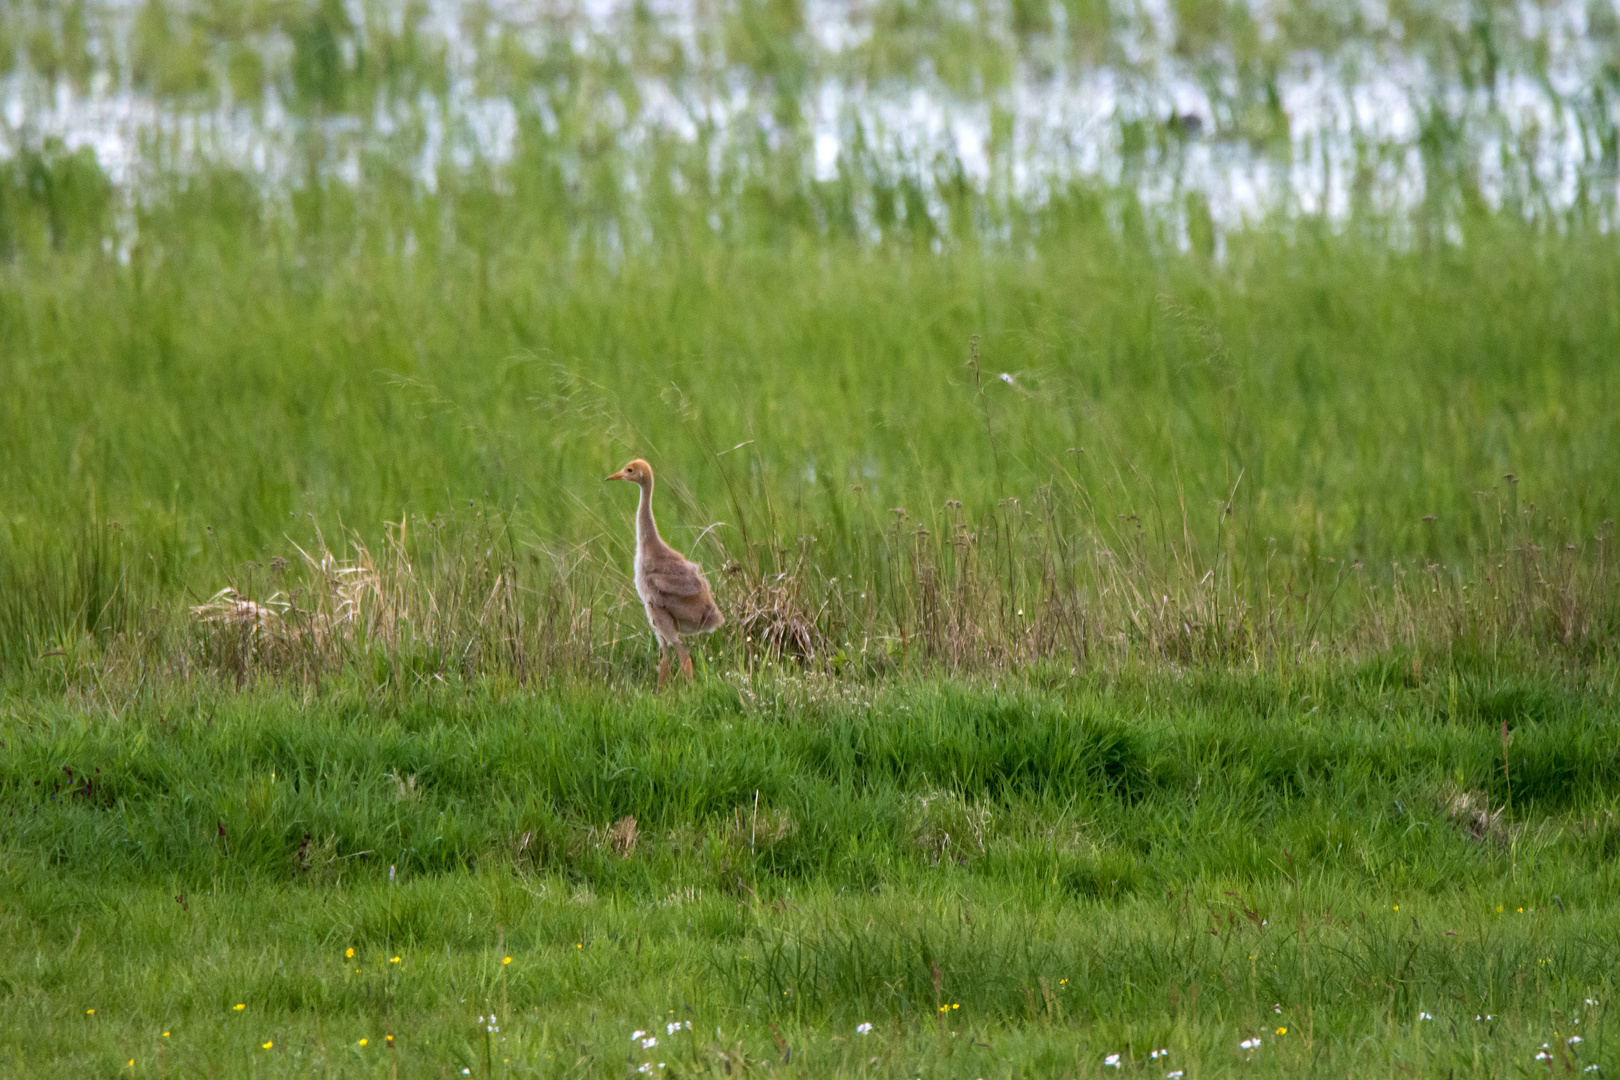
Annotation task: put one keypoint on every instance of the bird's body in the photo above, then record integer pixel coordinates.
(672, 588)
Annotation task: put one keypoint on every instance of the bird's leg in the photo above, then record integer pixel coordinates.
(686, 660)
(663, 666)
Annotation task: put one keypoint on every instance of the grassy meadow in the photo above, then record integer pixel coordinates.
(1154, 645)
(1001, 883)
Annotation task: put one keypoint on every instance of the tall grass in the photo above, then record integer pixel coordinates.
(1167, 456)
(907, 420)
(1019, 591)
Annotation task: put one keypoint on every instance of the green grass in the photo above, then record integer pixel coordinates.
(1429, 389)
(250, 378)
(1119, 867)
(1344, 400)
(1241, 664)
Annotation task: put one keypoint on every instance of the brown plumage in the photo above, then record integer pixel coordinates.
(671, 586)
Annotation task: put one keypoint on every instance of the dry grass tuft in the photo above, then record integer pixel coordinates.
(622, 837)
(405, 787)
(1471, 812)
(228, 607)
(776, 616)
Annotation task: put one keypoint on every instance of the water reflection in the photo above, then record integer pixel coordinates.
(1203, 110)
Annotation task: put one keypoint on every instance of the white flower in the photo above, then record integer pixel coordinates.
(636, 1034)
(1277, 1008)
(1159, 1054)
(649, 1042)
(1112, 1060)
(1573, 1039)
(1590, 1068)
(1591, 1001)
(1176, 1075)
(466, 1072)
(1249, 1044)
(1425, 1016)
(1542, 1055)
(645, 1067)
(863, 1029)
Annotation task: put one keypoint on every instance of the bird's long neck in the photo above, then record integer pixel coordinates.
(646, 529)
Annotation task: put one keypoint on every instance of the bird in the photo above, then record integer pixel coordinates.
(671, 586)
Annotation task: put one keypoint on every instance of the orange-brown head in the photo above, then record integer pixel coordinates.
(637, 472)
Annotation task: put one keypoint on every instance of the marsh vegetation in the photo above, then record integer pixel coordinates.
(1155, 462)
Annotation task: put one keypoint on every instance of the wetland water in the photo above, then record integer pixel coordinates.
(1205, 111)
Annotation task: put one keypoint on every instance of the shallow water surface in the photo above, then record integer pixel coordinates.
(1205, 111)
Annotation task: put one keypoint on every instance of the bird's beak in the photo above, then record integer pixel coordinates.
(616, 476)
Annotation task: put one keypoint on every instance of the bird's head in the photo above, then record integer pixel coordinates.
(637, 472)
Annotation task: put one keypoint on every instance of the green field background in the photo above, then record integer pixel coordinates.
(1159, 644)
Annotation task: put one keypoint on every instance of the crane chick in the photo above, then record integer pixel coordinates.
(671, 586)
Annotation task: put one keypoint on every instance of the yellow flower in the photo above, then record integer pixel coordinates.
(395, 960)
(508, 960)
(89, 1012)
(362, 1042)
(239, 1007)
(1499, 909)
(581, 945)
(268, 1045)
(956, 1005)
(349, 951)
(1282, 1031)
(165, 1034)
(131, 1064)
(1397, 907)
